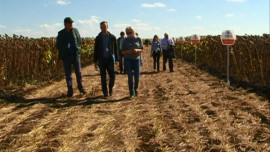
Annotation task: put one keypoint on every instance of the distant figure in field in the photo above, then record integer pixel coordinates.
(141, 62)
(147, 42)
(132, 47)
(156, 51)
(119, 46)
(167, 50)
(69, 45)
(105, 55)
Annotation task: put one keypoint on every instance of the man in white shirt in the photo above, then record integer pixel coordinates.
(166, 45)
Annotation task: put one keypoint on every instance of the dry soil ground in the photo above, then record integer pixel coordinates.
(188, 110)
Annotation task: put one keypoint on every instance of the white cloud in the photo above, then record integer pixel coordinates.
(3, 26)
(93, 20)
(156, 28)
(229, 15)
(171, 10)
(199, 17)
(153, 5)
(50, 27)
(136, 21)
(236, 0)
(63, 2)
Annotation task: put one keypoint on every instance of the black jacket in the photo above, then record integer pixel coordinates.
(98, 48)
(62, 43)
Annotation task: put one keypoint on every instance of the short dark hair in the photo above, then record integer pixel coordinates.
(122, 33)
(103, 22)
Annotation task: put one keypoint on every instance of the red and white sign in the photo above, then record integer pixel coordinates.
(195, 39)
(181, 40)
(228, 37)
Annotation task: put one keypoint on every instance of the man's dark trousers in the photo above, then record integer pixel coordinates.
(106, 65)
(167, 55)
(121, 57)
(68, 62)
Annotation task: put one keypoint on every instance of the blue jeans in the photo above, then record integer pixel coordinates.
(68, 62)
(133, 69)
(106, 65)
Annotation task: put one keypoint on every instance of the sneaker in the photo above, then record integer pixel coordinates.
(131, 97)
(69, 94)
(171, 71)
(82, 91)
(105, 97)
(110, 92)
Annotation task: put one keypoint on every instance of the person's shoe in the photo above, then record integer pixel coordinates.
(82, 91)
(171, 71)
(131, 97)
(105, 97)
(136, 93)
(110, 92)
(69, 94)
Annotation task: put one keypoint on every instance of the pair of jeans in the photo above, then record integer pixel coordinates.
(156, 57)
(76, 62)
(167, 55)
(121, 63)
(133, 70)
(106, 65)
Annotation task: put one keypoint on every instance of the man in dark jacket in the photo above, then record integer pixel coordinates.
(105, 55)
(69, 47)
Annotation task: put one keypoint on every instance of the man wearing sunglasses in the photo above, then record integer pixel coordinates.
(105, 54)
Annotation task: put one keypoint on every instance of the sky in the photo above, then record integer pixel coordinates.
(44, 18)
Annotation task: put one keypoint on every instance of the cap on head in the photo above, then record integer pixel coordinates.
(68, 20)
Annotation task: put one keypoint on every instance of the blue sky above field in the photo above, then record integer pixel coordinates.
(44, 18)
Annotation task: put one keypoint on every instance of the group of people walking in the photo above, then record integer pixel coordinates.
(108, 50)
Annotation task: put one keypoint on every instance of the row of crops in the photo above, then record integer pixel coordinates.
(249, 57)
(24, 60)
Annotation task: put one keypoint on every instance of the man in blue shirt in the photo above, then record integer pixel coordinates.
(104, 56)
(166, 45)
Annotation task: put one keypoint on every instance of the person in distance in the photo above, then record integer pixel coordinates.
(156, 51)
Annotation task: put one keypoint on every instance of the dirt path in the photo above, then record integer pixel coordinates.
(188, 110)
